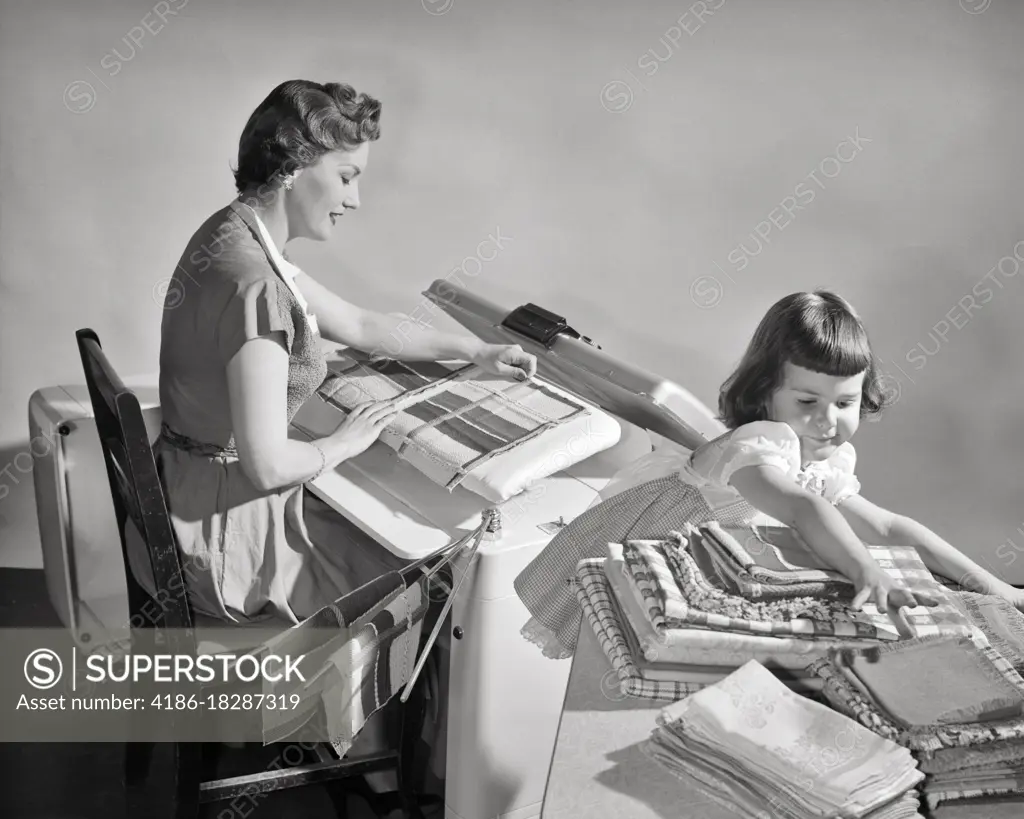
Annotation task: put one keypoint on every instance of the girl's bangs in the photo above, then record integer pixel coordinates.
(841, 349)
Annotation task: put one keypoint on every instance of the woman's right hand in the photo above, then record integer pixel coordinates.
(364, 424)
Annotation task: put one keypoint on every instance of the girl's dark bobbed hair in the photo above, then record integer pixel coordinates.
(298, 123)
(819, 331)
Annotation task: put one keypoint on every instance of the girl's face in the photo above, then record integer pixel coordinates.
(823, 410)
(324, 191)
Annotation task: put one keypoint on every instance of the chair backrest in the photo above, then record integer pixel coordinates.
(137, 493)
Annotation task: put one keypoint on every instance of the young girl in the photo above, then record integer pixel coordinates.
(807, 379)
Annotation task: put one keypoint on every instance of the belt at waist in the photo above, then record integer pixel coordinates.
(186, 444)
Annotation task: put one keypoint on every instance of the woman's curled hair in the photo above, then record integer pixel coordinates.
(818, 331)
(299, 122)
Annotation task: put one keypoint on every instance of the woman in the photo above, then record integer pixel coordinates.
(240, 354)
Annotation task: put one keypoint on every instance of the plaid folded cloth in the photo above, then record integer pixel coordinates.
(595, 598)
(677, 595)
(703, 646)
(452, 418)
(723, 571)
(639, 677)
(736, 552)
(673, 569)
(364, 646)
(770, 554)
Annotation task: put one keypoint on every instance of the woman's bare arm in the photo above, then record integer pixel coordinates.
(393, 336)
(257, 390)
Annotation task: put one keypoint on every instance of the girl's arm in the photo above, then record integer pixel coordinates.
(874, 524)
(824, 529)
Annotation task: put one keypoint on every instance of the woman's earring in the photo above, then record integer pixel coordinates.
(287, 183)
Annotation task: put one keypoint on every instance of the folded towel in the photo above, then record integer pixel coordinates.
(667, 683)
(954, 681)
(848, 700)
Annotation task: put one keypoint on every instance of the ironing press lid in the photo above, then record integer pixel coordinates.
(576, 365)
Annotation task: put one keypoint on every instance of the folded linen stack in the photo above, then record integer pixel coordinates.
(669, 630)
(958, 706)
(756, 748)
(774, 563)
(691, 658)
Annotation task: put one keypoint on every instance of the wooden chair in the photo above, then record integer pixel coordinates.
(138, 494)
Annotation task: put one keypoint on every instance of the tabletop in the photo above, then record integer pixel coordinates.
(599, 767)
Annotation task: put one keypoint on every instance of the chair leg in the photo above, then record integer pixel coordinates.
(167, 790)
(188, 776)
(411, 721)
(138, 757)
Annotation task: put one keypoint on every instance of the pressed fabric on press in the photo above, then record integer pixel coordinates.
(451, 419)
(700, 491)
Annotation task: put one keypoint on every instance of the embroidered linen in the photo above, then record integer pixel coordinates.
(785, 749)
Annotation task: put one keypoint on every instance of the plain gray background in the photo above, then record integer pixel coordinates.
(630, 153)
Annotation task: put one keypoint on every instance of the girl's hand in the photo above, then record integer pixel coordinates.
(364, 424)
(876, 586)
(509, 360)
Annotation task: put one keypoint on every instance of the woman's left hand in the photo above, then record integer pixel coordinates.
(509, 360)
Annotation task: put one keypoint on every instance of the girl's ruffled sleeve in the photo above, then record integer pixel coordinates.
(761, 443)
(842, 483)
(254, 310)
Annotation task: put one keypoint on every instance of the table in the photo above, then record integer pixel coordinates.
(599, 769)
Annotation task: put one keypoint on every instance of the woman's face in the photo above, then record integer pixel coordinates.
(323, 192)
(823, 410)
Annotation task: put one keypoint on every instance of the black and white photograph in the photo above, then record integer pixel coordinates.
(463, 409)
